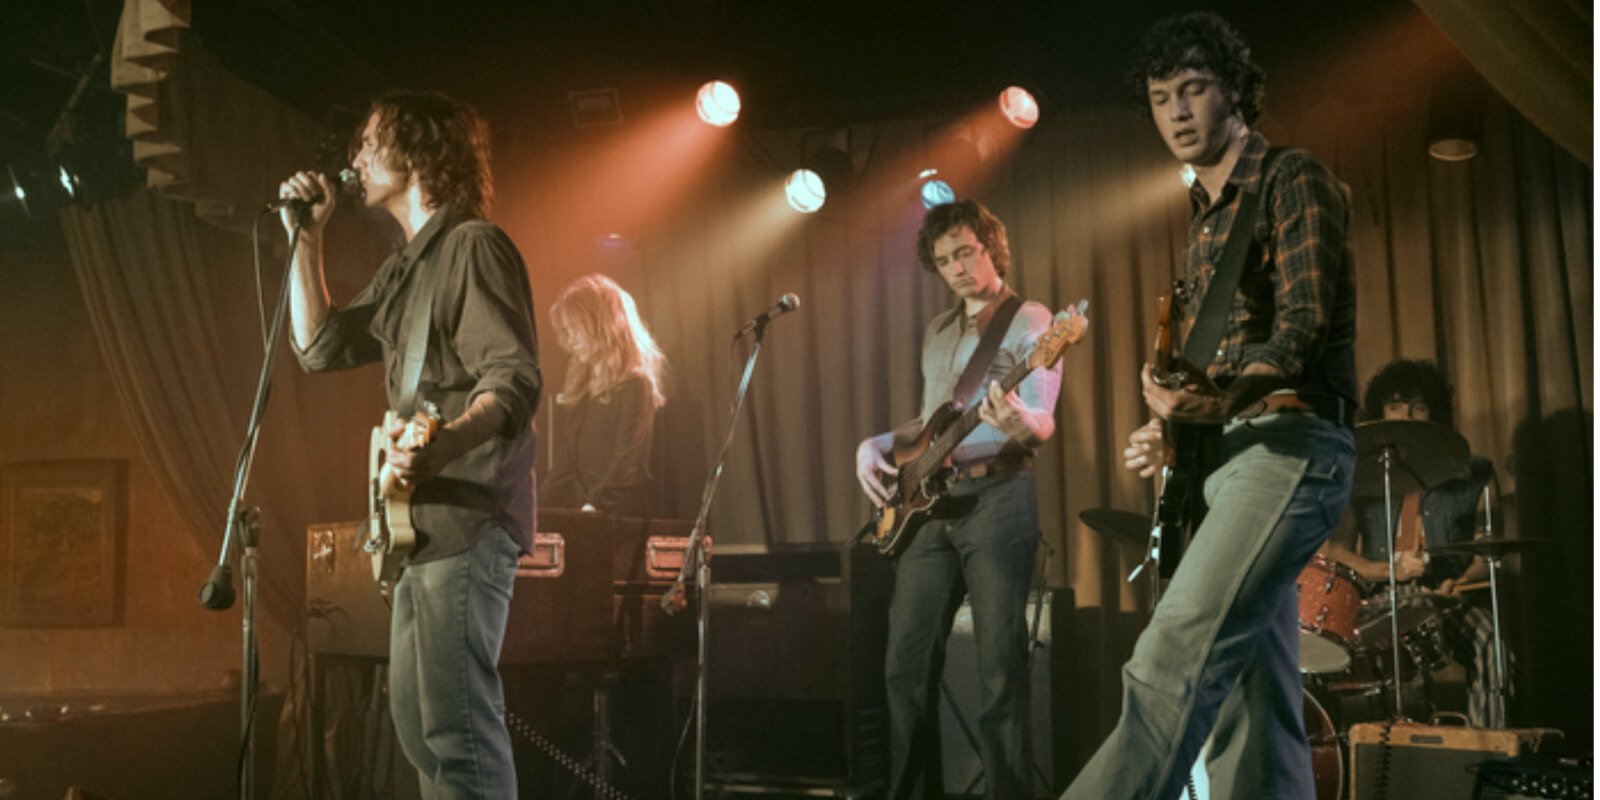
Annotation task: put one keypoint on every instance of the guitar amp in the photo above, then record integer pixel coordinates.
(589, 591)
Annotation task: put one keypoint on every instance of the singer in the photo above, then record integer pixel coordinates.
(424, 159)
(986, 553)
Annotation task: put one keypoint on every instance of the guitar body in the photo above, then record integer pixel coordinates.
(390, 535)
(1181, 506)
(923, 481)
(919, 489)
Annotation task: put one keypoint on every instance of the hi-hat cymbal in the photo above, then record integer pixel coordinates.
(1424, 455)
(1488, 546)
(1123, 527)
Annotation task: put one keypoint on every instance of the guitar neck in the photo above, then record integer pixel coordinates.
(970, 418)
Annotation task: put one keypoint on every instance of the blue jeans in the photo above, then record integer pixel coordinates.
(1220, 655)
(444, 689)
(986, 555)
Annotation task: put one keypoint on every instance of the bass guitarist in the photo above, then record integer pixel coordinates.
(458, 285)
(982, 544)
(1276, 383)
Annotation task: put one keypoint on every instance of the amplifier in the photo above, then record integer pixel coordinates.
(589, 591)
(1538, 776)
(795, 670)
(1049, 614)
(1409, 759)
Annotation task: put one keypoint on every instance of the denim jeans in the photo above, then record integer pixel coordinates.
(444, 689)
(986, 555)
(1220, 655)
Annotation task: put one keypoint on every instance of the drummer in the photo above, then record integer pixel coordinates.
(1448, 512)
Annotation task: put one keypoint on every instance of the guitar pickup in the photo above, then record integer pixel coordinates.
(548, 559)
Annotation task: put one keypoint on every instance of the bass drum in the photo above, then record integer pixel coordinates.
(1327, 758)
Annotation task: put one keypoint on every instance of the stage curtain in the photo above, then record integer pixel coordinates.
(1539, 54)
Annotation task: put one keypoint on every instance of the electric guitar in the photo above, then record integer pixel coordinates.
(1180, 506)
(924, 462)
(390, 537)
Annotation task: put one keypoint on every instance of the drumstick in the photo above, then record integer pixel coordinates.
(1473, 586)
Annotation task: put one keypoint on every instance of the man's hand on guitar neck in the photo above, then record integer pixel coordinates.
(1008, 413)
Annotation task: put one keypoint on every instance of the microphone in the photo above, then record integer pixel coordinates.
(349, 183)
(788, 302)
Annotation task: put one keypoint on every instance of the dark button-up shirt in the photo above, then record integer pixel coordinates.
(602, 451)
(1295, 308)
(481, 340)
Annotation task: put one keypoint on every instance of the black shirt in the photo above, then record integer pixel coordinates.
(481, 340)
(602, 451)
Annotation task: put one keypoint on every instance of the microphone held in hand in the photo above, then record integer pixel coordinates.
(349, 183)
(788, 302)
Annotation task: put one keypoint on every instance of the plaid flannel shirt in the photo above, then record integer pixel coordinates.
(1295, 307)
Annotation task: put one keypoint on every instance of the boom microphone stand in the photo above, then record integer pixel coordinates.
(217, 593)
(696, 557)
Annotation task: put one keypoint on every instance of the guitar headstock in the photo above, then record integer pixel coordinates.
(1068, 328)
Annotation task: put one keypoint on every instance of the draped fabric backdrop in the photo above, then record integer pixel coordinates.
(1485, 266)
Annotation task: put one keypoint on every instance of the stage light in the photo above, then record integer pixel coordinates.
(717, 103)
(1019, 107)
(69, 181)
(1187, 174)
(935, 192)
(805, 191)
(18, 191)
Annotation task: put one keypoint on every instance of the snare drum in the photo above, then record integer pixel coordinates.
(1330, 604)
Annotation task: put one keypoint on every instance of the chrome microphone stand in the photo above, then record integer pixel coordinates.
(697, 558)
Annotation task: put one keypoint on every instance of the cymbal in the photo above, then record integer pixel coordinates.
(1489, 546)
(1425, 454)
(1123, 527)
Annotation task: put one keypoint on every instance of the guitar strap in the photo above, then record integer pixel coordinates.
(988, 345)
(418, 324)
(1200, 349)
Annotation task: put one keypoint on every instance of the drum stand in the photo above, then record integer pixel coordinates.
(1497, 686)
(1387, 459)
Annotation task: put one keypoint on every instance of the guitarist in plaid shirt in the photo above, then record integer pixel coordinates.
(1216, 670)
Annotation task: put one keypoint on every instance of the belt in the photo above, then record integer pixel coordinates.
(1330, 407)
(999, 465)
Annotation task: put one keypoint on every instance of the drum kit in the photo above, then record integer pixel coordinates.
(1353, 651)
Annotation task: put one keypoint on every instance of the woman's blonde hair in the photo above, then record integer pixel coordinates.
(603, 314)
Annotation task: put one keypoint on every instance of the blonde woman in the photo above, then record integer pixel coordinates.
(604, 415)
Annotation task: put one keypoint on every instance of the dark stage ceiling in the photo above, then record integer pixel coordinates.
(798, 64)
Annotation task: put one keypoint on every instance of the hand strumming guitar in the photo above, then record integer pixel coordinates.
(1147, 449)
(413, 465)
(873, 469)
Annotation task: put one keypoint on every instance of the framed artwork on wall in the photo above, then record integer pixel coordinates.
(62, 530)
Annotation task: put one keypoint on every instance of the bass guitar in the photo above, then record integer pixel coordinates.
(390, 537)
(924, 462)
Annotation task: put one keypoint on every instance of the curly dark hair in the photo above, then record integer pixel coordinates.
(943, 219)
(444, 141)
(1198, 40)
(1410, 379)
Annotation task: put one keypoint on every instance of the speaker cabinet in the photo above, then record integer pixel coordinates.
(1410, 759)
(795, 680)
(1049, 614)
